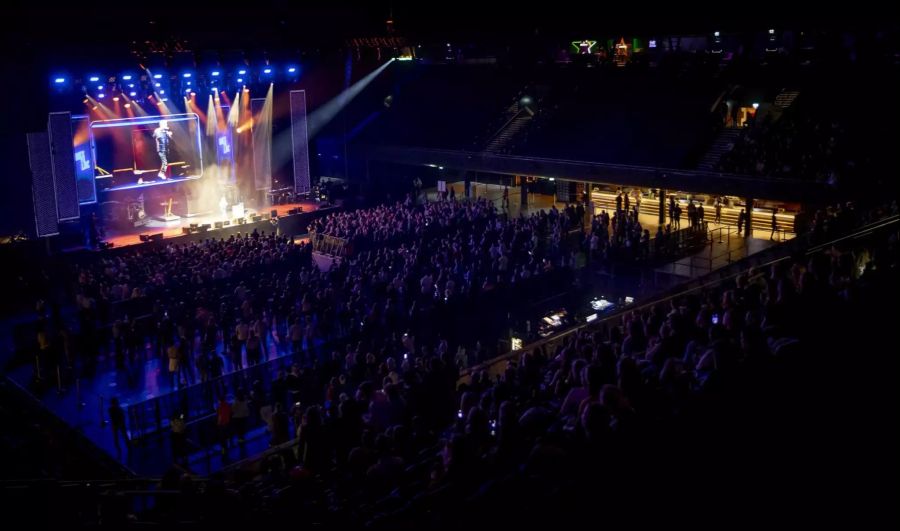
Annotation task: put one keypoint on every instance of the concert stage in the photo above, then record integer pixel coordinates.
(172, 229)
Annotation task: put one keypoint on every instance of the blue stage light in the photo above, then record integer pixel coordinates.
(126, 78)
(95, 78)
(215, 73)
(267, 71)
(187, 74)
(59, 80)
(157, 76)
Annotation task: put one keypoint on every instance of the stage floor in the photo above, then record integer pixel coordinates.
(170, 229)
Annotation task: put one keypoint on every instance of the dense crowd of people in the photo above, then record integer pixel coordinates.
(623, 413)
(209, 308)
(797, 145)
(182, 298)
(372, 422)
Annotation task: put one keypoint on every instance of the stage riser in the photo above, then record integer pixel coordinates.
(292, 225)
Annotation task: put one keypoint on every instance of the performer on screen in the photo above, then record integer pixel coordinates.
(162, 134)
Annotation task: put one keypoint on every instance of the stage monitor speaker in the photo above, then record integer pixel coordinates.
(145, 237)
(273, 213)
(256, 218)
(186, 230)
(106, 245)
(156, 237)
(205, 227)
(219, 224)
(227, 223)
(194, 226)
(241, 221)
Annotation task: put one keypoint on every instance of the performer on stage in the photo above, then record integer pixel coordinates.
(162, 134)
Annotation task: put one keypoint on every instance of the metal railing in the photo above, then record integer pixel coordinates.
(153, 415)
(330, 245)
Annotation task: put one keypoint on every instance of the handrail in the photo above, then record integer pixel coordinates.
(502, 127)
(607, 165)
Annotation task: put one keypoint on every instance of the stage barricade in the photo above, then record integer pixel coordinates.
(330, 245)
(153, 416)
